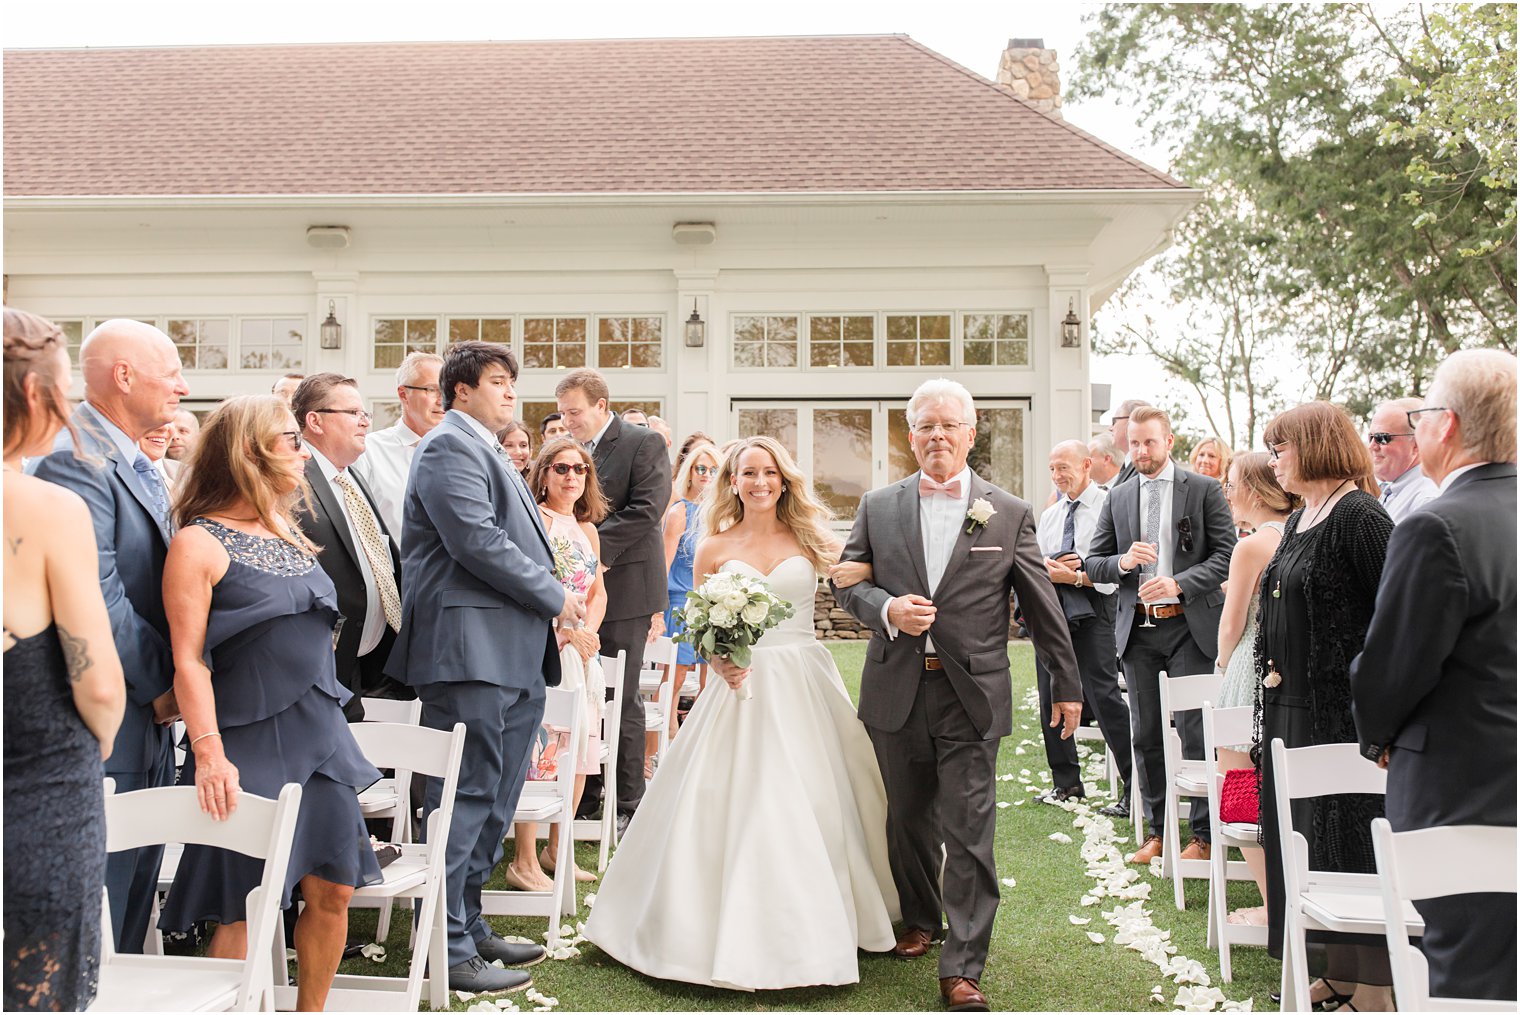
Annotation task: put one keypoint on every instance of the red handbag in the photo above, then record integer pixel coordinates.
(1239, 798)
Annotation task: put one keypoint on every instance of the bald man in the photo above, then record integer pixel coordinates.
(132, 385)
(1065, 536)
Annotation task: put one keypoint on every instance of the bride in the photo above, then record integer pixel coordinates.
(758, 857)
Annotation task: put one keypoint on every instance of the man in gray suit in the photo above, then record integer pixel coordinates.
(476, 640)
(132, 384)
(1169, 552)
(936, 694)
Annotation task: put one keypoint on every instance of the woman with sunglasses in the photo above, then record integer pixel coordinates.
(563, 481)
(698, 469)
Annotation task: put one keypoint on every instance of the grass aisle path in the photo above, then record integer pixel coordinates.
(1039, 960)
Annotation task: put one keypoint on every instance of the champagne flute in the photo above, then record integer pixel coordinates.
(1147, 621)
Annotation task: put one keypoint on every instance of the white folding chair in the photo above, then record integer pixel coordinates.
(1227, 726)
(1184, 777)
(391, 797)
(1323, 900)
(549, 803)
(604, 829)
(417, 874)
(260, 828)
(1431, 863)
(657, 681)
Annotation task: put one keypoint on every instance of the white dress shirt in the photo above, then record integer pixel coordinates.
(374, 614)
(1166, 538)
(940, 521)
(384, 466)
(1407, 494)
(593, 442)
(1454, 473)
(1053, 525)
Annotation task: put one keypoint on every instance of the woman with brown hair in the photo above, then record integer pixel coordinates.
(1317, 596)
(251, 622)
(64, 695)
(519, 444)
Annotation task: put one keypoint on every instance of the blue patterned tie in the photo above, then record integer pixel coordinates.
(1069, 530)
(153, 483)
(1152, 489)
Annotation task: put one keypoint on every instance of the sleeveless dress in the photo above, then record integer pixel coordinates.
(758, 857)
(1242, 684)
(55, 834)
(575, 567)
(279, 707)
(679, 582)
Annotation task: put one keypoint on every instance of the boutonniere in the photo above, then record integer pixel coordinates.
(978, 514)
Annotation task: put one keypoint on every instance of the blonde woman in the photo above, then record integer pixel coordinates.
(758, 858)
(1211, 457)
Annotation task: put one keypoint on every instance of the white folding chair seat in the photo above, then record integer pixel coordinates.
(604, 829)
(549, 803)
(1431, 863)
(260, 828)
(1184, 777)
(1323, 900)
(418, 875)
(1227, 726)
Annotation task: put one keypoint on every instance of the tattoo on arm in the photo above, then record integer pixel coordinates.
(76, 655)
(14, 543)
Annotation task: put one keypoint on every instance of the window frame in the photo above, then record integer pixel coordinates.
(594, 339)
(960, 341)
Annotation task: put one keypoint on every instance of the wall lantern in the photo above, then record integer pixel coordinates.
(332, 331)
(1071, 328)
(696, 328)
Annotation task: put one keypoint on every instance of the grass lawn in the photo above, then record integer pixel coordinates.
(1038, 961)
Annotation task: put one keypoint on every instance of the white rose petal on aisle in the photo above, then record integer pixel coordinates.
(727, 614)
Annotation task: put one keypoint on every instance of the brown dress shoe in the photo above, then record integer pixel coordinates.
(962, 994)
(912, 943)
(1196, 849)
(1148, 851)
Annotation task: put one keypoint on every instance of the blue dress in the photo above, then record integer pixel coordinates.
(279, 707)
(679, 583)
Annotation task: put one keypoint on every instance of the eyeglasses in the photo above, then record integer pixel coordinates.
(294, 438)
(1228, 486)
(1119, 419)
(358, 414)
(1276, 449)
(705, 470)
(432, 390)
(1382, 440)
(930, 429)
(563, 468)
(1414, 414)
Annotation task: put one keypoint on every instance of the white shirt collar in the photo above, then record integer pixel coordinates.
(409, 437)
(1167, 474)
(1409, 475)
(1091, 495)
(963, 477)
(329, 470)
(124, 444)
(602, 432)
(1454, 473)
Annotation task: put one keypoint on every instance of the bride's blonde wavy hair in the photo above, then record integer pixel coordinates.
(797, 507)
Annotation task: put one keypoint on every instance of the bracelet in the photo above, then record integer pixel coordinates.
(203, 736)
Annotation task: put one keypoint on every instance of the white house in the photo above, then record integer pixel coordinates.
(846, 216)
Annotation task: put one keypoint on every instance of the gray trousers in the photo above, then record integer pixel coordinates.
(500, 726)
(940, 777)
(1168, 646)
(630, 636)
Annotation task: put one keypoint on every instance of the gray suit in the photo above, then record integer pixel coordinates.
(941, 728)
(475, 642)
(1182, 646)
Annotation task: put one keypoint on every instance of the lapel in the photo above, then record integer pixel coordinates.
(964, 539)
(390, 538)
(907, 508)
(331, 506)
(1125, 499)
(93, 428)
(514, 483)
(604, 446)
(1179, 502)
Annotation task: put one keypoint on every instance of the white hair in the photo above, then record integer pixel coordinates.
(1478, 387)
(406, 373)
(941, 389)
(1102, 446)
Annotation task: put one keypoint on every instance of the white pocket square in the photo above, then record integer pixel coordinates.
(986, 549)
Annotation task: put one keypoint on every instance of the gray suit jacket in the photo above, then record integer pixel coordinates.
(132, 548)
(480, 590)
(1200, 511)
(971, 626)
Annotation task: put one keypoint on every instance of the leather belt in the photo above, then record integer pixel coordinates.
(1161, 611)
(932, 663)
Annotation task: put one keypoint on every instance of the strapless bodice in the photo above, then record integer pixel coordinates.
(793, 580)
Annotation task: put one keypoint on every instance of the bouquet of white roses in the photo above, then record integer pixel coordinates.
(727, 614)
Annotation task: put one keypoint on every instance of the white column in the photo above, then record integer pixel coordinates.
(1067, 412)
(696, 373)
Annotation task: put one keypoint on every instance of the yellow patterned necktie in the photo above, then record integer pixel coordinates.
(374, 548)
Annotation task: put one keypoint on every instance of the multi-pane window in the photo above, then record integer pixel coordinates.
(551, 343)
(918, 340)
(778, 423)
(395, 337)
(765, 340)
(480, 329)
(202, 344)
(629, 342)
(272, 343)
(842, 341)
(995, 340)
(73, 334)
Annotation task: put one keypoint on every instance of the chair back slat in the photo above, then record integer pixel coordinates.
(1227, 726)
(153, 817)
(405, 711)
(1327, 770)
(412, 748)
(1185, 694)
(1451, 860)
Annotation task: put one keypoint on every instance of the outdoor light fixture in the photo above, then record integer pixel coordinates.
(1071, 327)
(332, 331)
(696, 329)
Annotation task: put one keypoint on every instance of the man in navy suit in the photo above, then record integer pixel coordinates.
(476, 640)
(132, 385)
(1433, 691)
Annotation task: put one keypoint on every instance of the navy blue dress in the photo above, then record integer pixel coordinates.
(279, 707)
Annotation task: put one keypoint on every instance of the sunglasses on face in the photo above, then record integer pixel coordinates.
(705, 470)
(294, 437)
(563, 468)
(1185, 534)
(1384, 439)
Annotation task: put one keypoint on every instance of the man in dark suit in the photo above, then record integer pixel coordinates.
(132, 384)
(1433, 691)
(358, 551)
(1118, 428)
(635, 477)
(935, 694)
(476, 640)
(1165, 537)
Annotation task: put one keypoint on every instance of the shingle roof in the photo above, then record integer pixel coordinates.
(766, 115)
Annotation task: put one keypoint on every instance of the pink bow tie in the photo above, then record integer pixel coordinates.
(929, 488)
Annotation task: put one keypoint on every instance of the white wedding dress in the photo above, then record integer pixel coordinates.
(758, 857)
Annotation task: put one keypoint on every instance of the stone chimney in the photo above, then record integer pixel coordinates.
(1030, 71)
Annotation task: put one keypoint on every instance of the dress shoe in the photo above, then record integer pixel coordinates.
(1119, 809)
(1148, 851)
(497, 947)
(622, 825)
(962, 994)
(476, 976)
(912, 943)
(1061, 794)
(1197, 849)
